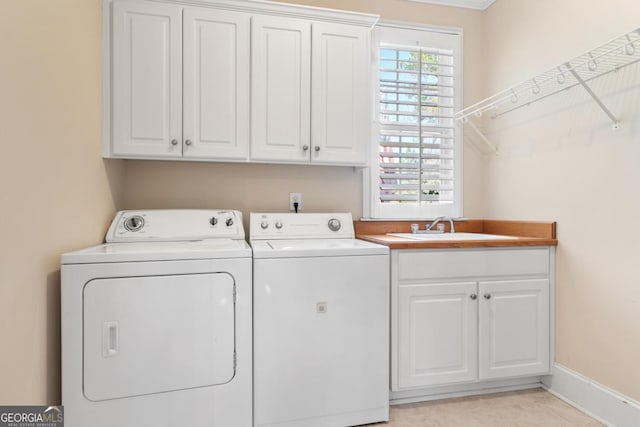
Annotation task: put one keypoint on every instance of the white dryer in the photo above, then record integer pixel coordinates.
(321, 322)
(156, 323)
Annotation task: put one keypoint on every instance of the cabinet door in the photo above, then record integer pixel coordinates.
(147, 80)
(216, 84)
(340, 85)
(280, 89)
(437, 340)
(514, 328)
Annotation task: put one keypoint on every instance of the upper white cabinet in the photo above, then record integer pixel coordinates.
(180, 82)
(193, 80)
(147, 80)
(216, 84)
(281, 89)
(309, 98)
(339, 93)
(467, 316)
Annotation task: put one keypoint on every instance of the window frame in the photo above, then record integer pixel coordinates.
(427, 36)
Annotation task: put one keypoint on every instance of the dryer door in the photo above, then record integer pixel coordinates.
(154, 334)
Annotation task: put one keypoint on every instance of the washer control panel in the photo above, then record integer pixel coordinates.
(175, 225)
(301, 226)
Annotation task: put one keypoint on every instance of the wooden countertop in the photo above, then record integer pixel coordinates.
(527, 233)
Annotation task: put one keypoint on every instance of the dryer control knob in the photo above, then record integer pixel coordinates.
(334, 224)
(264, 225)
(279, 225)
(134, 223)
(213, 220)
(229, 222)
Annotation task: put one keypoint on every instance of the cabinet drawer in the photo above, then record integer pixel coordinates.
(447, 263)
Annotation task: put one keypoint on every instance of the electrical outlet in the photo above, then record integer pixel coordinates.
(293, 198)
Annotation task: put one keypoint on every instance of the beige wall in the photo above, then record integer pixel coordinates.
(560, 160)
(56, 193)
(267, 187)
(259, 188)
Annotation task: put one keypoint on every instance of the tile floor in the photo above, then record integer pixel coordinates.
(526, 408)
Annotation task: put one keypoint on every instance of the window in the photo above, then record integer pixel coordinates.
(416, 170)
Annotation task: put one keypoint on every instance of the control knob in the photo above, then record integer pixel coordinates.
(229, 222)
(279, 225)
(264, 225)
(213, 220)
(134, 223)
(334, 224)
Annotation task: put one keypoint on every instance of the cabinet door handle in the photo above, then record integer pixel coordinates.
(305, 147)
(174, 142)
(473, 296)
(487, 296)
(317, 148)
(187, 142)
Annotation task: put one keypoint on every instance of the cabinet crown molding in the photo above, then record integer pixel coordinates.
(467, 4)
(283, 9)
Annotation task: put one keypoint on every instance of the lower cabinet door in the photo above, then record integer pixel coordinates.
(513, 328)
(437, 342)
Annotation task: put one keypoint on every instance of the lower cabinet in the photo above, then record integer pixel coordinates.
(513, 328)
(437, 334)
(487, 318)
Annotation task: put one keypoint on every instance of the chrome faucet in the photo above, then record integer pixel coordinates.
(442, 218)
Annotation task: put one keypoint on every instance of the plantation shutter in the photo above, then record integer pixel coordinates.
(417, 131)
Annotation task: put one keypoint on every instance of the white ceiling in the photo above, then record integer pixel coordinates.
(469, 4)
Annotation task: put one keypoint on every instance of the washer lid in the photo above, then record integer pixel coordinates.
(315, 248)
(159, 251)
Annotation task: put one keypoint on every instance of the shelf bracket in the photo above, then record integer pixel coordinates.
(481, 135)
(586, 87)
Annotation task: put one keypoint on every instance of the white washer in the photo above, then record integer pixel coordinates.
(156, 324)
(321, 322)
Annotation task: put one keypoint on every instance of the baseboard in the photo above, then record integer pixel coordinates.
(463, 390)
(605, 405)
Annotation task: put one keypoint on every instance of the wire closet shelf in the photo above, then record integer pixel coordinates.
(610, 57)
